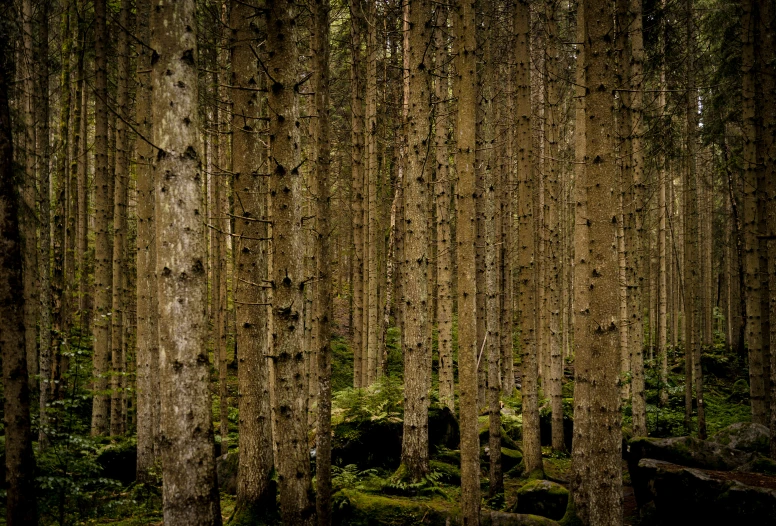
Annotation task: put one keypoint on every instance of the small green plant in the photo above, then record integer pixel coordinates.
(350, 477)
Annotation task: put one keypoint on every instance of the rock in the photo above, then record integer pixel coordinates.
(119, 461)
(687, 451)
(443, 430)
(226, 471)
(451, 474)
(509, 457)
(746, 436)
(449, 456)
(484, 432)
(762, 465)
(669, 494)
(353, 508)
(368, 443)
(542, 497)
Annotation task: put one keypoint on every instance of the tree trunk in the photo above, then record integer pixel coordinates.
(103, 282)
(324, 273)
(527, 293)
(255, 489)
(417, 353)
(443, 188)
(465, 90)
(293, 456)
(373, 225)
(21, 504)
(190, 489)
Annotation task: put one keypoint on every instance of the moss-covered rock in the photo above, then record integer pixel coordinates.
(353, 508)
(484, 432)
(762, 465)
(542, 497)
(451, 456)
(119, 460)
(443, 430)
(687, 451)
(510, 458)
(368, 443)
(746, 436)
(450, 474)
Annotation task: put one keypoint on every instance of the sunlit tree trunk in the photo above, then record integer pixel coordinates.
(188, 464)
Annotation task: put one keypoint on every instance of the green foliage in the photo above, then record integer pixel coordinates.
(429, 484)
(341, 364)
(350, 477)
(382, 399)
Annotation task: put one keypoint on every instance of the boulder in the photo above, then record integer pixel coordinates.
(542, 497)
(688, 451)
(669, 494)
(450, 473)
(443, 430)
(509, 457)
(118, 461)
(484, 432)
(226, 471)
(368, 443)
(746, 436)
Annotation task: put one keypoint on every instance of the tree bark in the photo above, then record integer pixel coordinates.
(21, 502)
(190, 489)
(293, 456)
(464, 85)
(255, 489)
(103, 282)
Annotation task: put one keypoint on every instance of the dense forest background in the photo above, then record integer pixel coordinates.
(274, 261)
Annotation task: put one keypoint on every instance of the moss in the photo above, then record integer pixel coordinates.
(450, 456)
(450, 474)
(510, 458)
(570, 518)
(258, 515)
(353, 508)
(763, 466)
(484, 433)
(537, 474)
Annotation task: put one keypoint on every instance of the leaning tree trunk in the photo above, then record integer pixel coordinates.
(188, 465)
(255, 489)
(21, 502)
(290, 402)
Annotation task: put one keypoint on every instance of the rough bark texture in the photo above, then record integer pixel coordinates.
(465, 90)
(357, 174)
(255, 490)
(444, 252)
(415, 343)
(190, 492)
(603, 462)
(373, 224)
(119, 300)
(103, 277)
(21, 505)
(532, 452)
(325, 255)
(290, 403)
(147, 303)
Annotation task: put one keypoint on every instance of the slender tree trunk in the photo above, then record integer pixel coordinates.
(324, 272)
(443, 187)
(190, 489)
(21, 502)
(293, 456)
(44, 190)
(373, 226)
(255, 489)
(417, 353)
(103, 282)
(147, 361)
(119, 299)
(527, 293)
(357, 169)
(464, 85)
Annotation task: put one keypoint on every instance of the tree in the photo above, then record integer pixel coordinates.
(288, 358)
(417, 354)
(598, 500)
(190, 491)
(532, 448)
(21, 503)
(103, 277)
(255, 489)
(464, 89)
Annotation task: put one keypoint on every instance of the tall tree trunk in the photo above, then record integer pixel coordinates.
(119, 299)
(255, 489)
(190, 489)
(44, 191)
(293, 457)
(325, 254)
(464, 85)
(373, 225)
(21, 502)
(357, 169)
(417, 353)
(598, 407)
(443, 188)
(527, 293)
(103, 282)
(147, 335)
